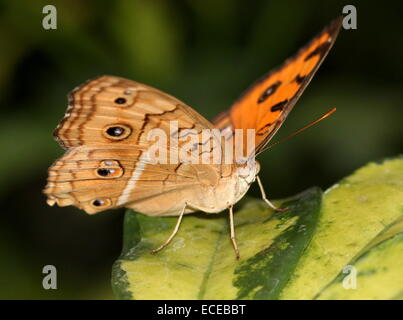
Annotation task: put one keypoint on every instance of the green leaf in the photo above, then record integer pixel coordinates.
(200, 262)
(297, 254)
(378, 270)
(356, 213)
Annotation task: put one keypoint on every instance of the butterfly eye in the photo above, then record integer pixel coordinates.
(120, 100)
(117, 132)
(99, 203)
(109, 169)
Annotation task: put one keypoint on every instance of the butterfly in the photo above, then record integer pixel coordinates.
(106, 134)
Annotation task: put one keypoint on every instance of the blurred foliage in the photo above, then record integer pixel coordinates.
(205, 53)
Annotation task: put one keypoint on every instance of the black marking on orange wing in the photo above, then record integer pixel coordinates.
(269, 91)
(319, 50)
(331, 30)
(262, 131)
(279, 106)
(298, 79)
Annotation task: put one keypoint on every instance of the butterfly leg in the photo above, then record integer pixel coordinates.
(168, 241)
(271, 205)
(232, 228)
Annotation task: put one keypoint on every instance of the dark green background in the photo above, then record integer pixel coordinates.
(205, 53)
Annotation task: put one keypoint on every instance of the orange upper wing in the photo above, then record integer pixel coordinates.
(266, 104)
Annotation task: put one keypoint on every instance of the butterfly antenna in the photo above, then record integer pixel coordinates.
(302, 129)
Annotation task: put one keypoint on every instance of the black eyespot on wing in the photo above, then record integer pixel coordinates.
(103, 172)
(120, 100)
(98, 203)
(115, 131)
(106, 202)
(269, 91)
(109, 169)
(279, 106)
